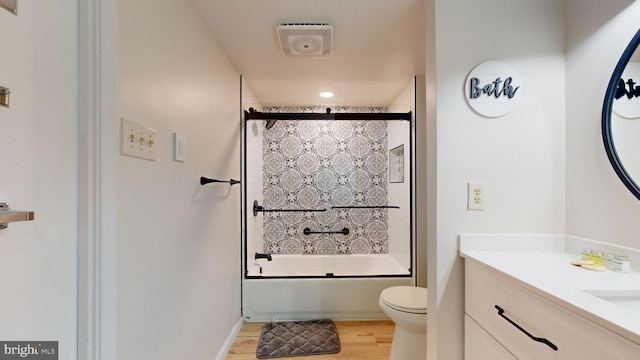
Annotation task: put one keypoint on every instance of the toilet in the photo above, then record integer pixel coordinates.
(407, 307)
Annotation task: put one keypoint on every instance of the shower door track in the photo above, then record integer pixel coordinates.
(329, 116)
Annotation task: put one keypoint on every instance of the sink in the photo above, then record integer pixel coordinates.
(629, 299)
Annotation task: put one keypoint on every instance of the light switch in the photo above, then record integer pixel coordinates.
(138, 141)
(179, 147)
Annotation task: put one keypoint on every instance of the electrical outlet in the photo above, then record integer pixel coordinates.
(138, 141)
(476, 196)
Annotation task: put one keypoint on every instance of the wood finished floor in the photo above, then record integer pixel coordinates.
(359, 340)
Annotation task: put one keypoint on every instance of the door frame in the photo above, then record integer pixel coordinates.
(97, 179)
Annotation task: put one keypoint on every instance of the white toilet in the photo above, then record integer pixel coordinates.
(407, 307)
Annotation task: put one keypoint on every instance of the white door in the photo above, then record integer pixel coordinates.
(38, 159)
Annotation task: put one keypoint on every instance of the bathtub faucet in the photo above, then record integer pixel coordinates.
(263, 256)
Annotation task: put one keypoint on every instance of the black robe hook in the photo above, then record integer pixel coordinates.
(204, 181)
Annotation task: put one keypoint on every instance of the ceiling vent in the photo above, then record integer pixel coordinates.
(305, 39)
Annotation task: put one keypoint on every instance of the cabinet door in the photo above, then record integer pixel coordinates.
(479, 345)
(532, 327)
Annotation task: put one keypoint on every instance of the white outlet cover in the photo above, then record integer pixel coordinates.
(476, 196)
(138, 141)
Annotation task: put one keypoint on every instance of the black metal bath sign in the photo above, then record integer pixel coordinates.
(492, 88)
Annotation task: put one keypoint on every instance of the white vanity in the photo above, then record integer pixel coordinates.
(524, 300)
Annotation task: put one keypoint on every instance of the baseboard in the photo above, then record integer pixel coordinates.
(222, 354)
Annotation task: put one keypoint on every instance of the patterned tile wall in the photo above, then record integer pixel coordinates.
(317, 165)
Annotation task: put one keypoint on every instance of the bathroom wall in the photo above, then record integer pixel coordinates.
(598, 205)
(38, 259)
(520, 156)
(178, 242)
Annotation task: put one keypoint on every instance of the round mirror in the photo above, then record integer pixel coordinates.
(621, 117)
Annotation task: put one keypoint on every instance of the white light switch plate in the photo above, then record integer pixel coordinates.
(179, 147)
(138, 141)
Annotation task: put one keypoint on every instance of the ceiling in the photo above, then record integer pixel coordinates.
(378, 47)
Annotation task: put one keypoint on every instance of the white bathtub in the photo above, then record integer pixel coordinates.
(269, 296)
(321, 265)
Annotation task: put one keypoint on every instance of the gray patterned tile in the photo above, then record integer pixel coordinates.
(319, 164)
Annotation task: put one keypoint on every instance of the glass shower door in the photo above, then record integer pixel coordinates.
(303, 149)
(330, 197)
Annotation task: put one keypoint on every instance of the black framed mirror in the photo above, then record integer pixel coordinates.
(621, 114)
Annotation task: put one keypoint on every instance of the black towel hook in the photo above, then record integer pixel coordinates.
(204, 181)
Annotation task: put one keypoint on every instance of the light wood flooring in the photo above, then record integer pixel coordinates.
(359, 340)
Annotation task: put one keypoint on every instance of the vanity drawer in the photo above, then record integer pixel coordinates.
(479, 345)
(574, 336)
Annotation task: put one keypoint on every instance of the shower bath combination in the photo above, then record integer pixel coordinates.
(327, 213)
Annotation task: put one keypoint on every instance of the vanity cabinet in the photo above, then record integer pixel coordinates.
(500, 311)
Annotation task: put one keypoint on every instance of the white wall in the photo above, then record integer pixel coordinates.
(38, 154)
(405, 100)
(178, 242)
(598, 205)
(520, 156)
(399, 194)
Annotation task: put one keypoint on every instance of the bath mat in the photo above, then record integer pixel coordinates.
(298, 338)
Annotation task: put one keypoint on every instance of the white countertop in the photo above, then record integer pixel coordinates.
(546, 270)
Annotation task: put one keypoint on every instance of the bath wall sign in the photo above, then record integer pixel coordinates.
(627, 97)
(492, 89)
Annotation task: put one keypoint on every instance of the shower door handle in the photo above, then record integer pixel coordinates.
(308, 231)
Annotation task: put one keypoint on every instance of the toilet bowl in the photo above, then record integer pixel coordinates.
(406, 306)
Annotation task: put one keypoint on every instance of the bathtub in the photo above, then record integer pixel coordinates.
(299, 287)
(324, 265)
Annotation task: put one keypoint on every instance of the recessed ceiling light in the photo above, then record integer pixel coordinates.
(326, 94)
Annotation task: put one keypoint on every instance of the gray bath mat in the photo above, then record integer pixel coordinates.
(298, 338)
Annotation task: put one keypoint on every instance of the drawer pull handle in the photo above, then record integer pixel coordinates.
(542, 340)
